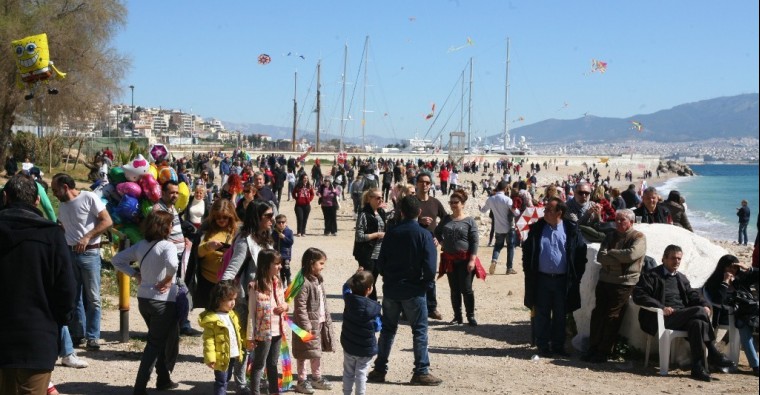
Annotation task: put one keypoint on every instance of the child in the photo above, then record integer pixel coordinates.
(283, 242)
(310, 313)
(222, 344)
(361, 319)
(265, 323)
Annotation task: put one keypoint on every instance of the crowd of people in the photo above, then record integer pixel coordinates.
(240, 256)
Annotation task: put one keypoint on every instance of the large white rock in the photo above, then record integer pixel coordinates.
(700, 257)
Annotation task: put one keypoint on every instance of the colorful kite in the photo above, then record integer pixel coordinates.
(637, 125)
(301, 158)
(520, 119)
(264, 59)
(468, 44)
(598, 66)
(431, 114)
(33, 64)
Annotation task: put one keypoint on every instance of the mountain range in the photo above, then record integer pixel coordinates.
(722, 117)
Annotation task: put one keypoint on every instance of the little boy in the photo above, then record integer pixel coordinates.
(283, 243)
(361, 319)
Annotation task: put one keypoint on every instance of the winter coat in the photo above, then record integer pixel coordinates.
(306, 316)
(622, 257)
(216, 339)
(678, 214)
(359, 326)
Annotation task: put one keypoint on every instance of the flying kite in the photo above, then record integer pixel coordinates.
(431, 114)
(637, 125)
(469, 44)
(412, 18)
(34, 64)
(520, 119)
(598, 66)
(264, 59)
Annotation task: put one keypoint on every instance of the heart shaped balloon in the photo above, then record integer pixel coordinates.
(150, 187)
(129, 188)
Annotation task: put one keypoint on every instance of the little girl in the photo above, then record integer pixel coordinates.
(222, 344)
(310, 313)
(266, 324)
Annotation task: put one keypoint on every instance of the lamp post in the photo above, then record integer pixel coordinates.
(132, 114)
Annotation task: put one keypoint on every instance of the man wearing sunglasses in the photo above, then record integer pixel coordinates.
(580, 208)
(432, 211)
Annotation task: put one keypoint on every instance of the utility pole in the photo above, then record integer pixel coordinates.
(132, 114)
(319, 108)
(343, 100)
(469, 116)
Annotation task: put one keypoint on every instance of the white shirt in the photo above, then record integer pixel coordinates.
(234, 349)
(79, 216)
(158, 262)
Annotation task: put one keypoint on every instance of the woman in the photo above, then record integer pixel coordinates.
(156, 295)
(728, 277)
(291, 179)
(677, 211)
(249, 194)
(607, 212)
(220, 229)
(617, 201)
(303, 194)
(232, 188)
(255, 235)
(370, 230)
(458, 235)
(328, 200)
(197, 208)
(204, 181)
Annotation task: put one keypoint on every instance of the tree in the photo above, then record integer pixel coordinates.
(79, 33)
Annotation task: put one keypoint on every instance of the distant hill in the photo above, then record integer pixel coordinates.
(729, 117)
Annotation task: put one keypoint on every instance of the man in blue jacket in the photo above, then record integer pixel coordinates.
(38, 289)
(407, 263)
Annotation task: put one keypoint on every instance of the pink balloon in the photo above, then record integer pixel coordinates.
(129, 188)
(150, 187)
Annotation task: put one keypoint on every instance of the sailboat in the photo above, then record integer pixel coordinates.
(510, 144)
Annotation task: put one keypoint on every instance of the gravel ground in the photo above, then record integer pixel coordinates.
(494, 357)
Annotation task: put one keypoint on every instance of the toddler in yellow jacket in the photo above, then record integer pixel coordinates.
(222, 343)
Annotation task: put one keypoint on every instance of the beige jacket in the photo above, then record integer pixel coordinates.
(622, 257)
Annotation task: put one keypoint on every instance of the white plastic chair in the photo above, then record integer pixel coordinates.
(734, 341)
(664, 337)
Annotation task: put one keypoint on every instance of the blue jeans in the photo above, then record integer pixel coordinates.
(549, 323)
(67, 346)
(355, 371)
(266, 355)
(745, 336)
(220, 380)
(416, 312)
(743, 232)
(510, 240)
(87, 274)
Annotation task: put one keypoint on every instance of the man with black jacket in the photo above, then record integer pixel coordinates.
(684, 309)
(37, 286)
(651, 210)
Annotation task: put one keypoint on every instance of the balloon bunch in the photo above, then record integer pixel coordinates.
(132, 191)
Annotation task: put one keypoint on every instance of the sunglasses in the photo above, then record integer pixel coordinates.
(454, 202)
(377, 197)
(584, 193)
(268, 215)
(223, 218)
(423, 182)
(281, 222)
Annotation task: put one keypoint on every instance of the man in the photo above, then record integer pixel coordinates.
(651, 210)
(407, 263)
(554, 259)
(630, 197)
(169, 196)
(432, 212)
(224, 170)
(37, 286)
(621, 256)
(664, 287)
(504, 225)
(743, 214)
(263, 192)
(278, 183)
(444, 176)
(84, 218)
(581, 209)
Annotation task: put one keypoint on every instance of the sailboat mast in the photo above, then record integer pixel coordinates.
(469, 115)
(319, 105)
(461, 108)
(343, 98)
(506, 101)
(364, 99)
(295, 109)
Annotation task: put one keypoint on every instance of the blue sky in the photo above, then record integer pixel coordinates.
(201, 56)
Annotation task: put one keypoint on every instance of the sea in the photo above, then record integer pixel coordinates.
(714, 194)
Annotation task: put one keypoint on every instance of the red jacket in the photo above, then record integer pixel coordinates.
(444, 175)
(303, 196)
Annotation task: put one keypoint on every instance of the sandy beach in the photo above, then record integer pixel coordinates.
(494, 357)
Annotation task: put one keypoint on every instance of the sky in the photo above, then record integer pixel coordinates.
(202, 57)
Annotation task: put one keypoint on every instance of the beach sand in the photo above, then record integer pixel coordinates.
(494, 357)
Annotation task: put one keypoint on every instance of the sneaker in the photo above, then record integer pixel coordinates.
(471, 321)
(511, 271)
(170, 385)
(321, 384)
(376, 376)
(457, 321)
(435, 314)
(492, 268)
(425, 379)
(73, 361)
(93, 344)
(304, 387)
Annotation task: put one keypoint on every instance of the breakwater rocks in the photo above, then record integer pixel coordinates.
(674, 166)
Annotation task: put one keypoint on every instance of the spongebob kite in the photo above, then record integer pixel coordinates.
(33, 63)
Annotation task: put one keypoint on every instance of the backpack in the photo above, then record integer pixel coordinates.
(746, 308)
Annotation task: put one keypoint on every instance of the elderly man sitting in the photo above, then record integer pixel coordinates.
(651, 210)
(684, 309)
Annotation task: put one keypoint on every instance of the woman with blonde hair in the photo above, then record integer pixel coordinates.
(370, 230)
(219, 228)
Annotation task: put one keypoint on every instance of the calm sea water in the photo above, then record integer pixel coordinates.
(713, 196)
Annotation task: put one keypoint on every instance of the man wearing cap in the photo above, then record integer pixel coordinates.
(84, 218)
